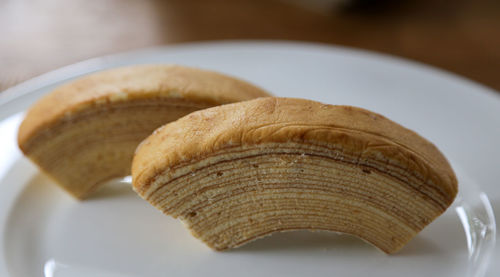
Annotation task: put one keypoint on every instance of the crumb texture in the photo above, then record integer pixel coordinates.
(240, 171)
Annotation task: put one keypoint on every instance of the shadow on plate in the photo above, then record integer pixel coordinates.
(300, 241)
(115, 188)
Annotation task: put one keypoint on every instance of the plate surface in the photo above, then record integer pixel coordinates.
(44, 232)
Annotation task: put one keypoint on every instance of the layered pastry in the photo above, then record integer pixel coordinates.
(237, 172)
(85, 132)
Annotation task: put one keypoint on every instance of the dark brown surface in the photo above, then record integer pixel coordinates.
(37, 36)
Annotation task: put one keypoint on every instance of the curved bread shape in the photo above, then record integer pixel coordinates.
(236, 172)
(85, 132)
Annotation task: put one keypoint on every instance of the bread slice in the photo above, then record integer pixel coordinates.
(237, 172)
(85, 132)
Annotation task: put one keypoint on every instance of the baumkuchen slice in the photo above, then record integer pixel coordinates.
(238, 172)
(85, 132)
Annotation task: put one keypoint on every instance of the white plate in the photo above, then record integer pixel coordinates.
(45, 232)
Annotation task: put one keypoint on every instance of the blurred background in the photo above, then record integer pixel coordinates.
(461, 36)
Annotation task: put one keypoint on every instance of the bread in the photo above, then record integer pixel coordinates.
(237, 172)
(85, 132)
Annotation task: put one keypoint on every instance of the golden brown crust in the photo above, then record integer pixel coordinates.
(271, 119)
(135, 82)
(85, 132)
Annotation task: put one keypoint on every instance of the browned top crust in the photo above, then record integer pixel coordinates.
(270, 120)
(135, 83)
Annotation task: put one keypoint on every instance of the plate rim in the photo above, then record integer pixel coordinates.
(44, 79)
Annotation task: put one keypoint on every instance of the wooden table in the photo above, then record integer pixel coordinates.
(460, 36)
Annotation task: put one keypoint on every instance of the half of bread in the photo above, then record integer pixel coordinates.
(85, 132)
(237, 172)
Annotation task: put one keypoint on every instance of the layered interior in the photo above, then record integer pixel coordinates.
(82, 150)
(243, 193)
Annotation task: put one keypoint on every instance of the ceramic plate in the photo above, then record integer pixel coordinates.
(45, 232)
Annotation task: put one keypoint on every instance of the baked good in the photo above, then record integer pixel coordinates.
(85, 132)
(237, 172)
